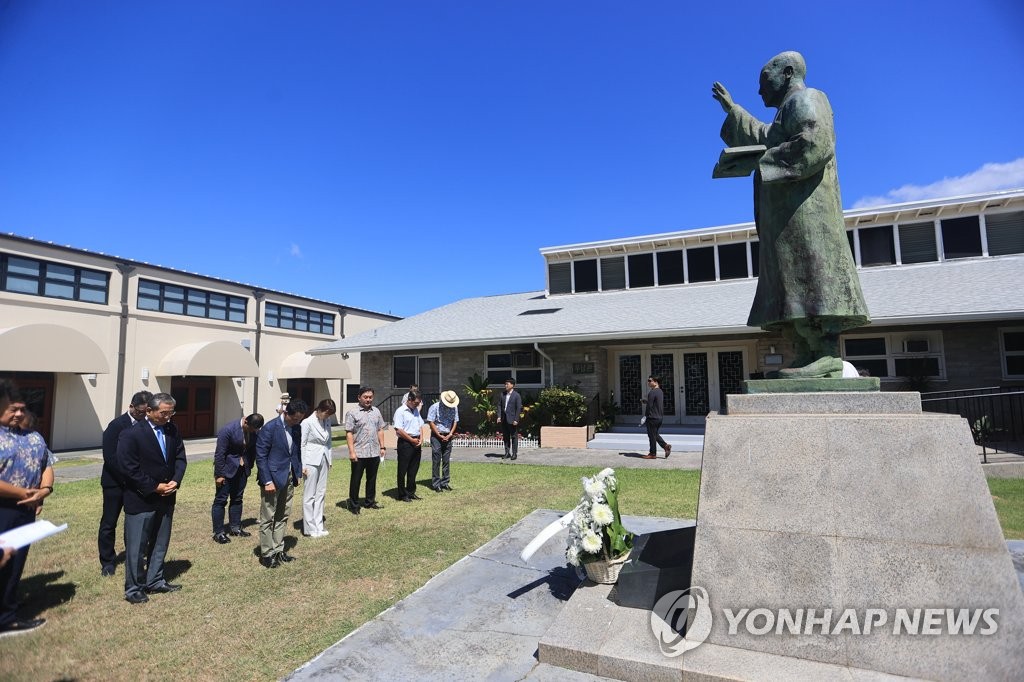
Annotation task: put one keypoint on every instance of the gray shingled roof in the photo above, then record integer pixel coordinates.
(963, 290)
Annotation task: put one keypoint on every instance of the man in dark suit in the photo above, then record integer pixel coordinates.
(151, 457)
(232, 461)
(112, 482)
(278, 469)
(510, 405)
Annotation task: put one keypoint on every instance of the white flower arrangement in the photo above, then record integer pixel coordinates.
(596, 531)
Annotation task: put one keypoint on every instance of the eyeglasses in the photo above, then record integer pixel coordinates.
(165, 413)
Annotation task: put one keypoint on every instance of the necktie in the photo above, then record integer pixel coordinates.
(163, 443)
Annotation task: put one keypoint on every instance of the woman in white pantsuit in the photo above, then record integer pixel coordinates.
(316, 465)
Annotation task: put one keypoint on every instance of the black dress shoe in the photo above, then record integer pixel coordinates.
(239, 533)
(505, 456)
(107, 571)
(373, 505)
(447, 487)
(269, 561)
(221, 538)
(136, 598)
(284, 557)
(353, 507)
(405, 499)
(18, 627)
(438, 489)
(414, 496)
(163, 589)
(513, 456)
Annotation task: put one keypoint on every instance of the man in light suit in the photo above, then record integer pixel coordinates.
(510, 405)
(232, 462)
(112, 482)
(278, 470)
(151, 457)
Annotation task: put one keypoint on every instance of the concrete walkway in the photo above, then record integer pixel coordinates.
(480, 619)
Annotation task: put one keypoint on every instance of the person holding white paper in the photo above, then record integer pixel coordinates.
(26, 479)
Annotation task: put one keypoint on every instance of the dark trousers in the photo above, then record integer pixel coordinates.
(408, 466)
(146, 537)
(233, 488)
(10, 575)
(510, 434)
(113, 502)
(653, 437)
(441, 454)
(369, 465)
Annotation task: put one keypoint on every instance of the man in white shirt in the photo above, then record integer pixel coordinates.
(409, 428)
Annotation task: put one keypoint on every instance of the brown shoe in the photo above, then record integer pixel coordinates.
(648, 456)
(668, 450)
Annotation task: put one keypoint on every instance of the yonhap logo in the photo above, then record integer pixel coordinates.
(671, 615)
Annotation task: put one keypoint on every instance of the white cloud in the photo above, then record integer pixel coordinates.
(296, 251)
(989, 178)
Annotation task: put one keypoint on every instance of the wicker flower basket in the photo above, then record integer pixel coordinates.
(605, 571)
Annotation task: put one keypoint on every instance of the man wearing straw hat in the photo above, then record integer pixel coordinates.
(443, 417)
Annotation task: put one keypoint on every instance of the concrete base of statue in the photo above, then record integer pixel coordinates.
(856, 505)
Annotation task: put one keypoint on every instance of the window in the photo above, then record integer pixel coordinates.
(1005, 233)
(876, 246)
(613, 273)
(585, 274)
(177, 300)
(917, 243)
(299, 319)
(424, 370)
(961, 237)
(670, 267)
(1011, 342)
(755, 257)
(898, 355)
(523, 366)
(53, 280)
(700, 264)
(560, 278)
(641, 270)
(732, 261)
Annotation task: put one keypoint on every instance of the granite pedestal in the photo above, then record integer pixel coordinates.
(853, 501)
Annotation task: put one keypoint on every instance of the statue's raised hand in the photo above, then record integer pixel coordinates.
(719, 92)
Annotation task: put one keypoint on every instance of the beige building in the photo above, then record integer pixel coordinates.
(80, 332)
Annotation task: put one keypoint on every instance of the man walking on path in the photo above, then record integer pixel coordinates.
(443, 418)
(653, 415)
(510, 405)
(365, 437)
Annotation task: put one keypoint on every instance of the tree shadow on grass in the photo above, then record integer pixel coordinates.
(42, 593)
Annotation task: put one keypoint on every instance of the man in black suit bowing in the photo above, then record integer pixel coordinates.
(151, 457)
(112, 482)
(278, 470)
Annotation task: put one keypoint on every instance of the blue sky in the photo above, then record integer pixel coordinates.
(398, 156)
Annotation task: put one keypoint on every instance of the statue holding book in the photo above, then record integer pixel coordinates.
(807, 286)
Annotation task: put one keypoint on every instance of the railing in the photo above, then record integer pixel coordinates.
(390, 405)
(594, 410)
(996, 414)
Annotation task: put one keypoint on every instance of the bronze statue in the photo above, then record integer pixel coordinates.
(807, 286)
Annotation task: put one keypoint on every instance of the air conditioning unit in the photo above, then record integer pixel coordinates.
(915, 346)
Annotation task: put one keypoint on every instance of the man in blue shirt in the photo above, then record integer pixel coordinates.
(409, 428)
(443, 417)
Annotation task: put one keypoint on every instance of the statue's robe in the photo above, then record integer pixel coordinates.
(806, 269)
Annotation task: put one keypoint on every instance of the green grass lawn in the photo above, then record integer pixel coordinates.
(237, 620)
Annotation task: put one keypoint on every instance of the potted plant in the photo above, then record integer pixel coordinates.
(597, 539)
